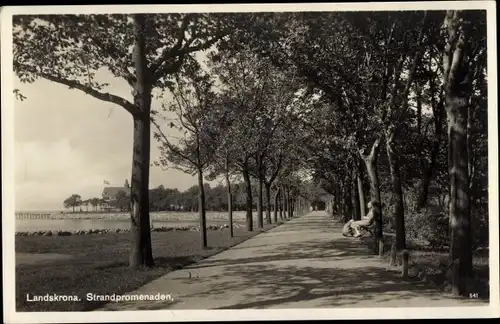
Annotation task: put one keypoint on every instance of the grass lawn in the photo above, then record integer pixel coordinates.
(100, 264)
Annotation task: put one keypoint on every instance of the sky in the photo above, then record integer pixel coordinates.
(67, 142)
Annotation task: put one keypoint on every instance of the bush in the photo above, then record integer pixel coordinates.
(480, 232)
(427, 226)
(387, 210)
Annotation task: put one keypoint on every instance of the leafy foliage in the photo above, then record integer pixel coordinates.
(73, 201)
(71, 49)
(193, 104)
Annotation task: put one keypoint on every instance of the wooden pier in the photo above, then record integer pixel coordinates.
(34, 216)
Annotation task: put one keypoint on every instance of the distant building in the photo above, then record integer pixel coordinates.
(109, 194)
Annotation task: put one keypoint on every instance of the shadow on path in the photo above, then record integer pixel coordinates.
(303, 263)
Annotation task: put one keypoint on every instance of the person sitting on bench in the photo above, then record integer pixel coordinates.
(365, 223)
(347, 229)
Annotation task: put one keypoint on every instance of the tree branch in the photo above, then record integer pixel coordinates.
(413, 70)
(181, 112)
(169, 53)
(472, 169)
(206, 45)
(375, 146)
(458, 55)
(277, 170)
(172, 147)
(450, 40)
(129, 77)
(168, 69)
(127, 105)
(162, 67)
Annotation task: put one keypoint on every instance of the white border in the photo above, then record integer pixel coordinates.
(11, 316)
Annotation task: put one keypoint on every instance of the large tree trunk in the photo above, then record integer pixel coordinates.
(355, 199)
(436, 145)
(420, 153)
(248, 185)
(276, 205)
(340, 201)
(260, 212)
(397, 192)
(141, 253)
(287, 202)
(427, 175)
(268, 202)
(229, 205)
(280, 194)
(283, 202)
(331, 205)
(418, 94)
(372, 170)
(460, 247)
(346, 194)
(361, 192)
(458, 90)
(201, 210)
(339, 207)
(437, 111)
(471, 167)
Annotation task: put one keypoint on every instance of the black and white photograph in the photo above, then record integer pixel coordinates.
(235, 162)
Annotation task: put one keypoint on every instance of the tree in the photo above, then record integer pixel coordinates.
(396, 112)
(122, 201)
(431, 74)
(243, 79)
(400, 56)
(223, 162)
(477, 143)
(94, 202)
(193, 104)
(157, 199)
(330, 55)
(86, 203)
(73, 201)
(262, 94)
(143, 49)
(281, 141)
(101, 203)
(229, 192)
(275, 134)
(269, 175)
(364, 69)
(465, 40)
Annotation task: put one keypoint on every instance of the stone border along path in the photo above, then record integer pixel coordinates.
(304, 263)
